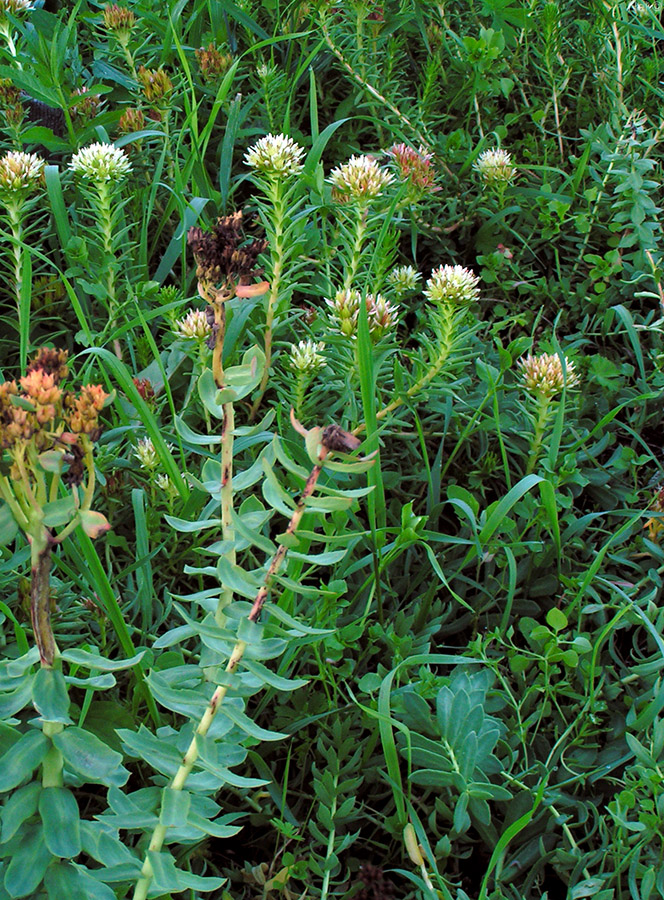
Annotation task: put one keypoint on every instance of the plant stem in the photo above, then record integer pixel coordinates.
(445, 343)
(227, 429)
(275, 196)
(53, 762)
(109, 263)
(356, 255)
(15, 222)
(40, 600)
(190, 757)
(543, 405)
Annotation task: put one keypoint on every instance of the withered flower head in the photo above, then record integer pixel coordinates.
(52, 362)
(222, 255)
(335, 438)
(212, 62)
(74, 457)
(145, 389)
(157, 86)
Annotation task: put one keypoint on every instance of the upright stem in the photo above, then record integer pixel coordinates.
(110, 265)
(543, 405)
(40, 600)
(278, 250)
(360, 232)
(53, 762)
(190, 757)
(15, 221)
(445, 342)
(227, 429)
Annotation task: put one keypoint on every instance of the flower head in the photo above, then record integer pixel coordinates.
(84, 410)
(404, 279)
(194, 326)
(382, 316)
(544, 376)
(275, 155)
(14, 7)
(415, 168)
(100, 162)
(452, 284)
(146, 454)
(223, 255)
(87, 107)
(131, 120)
(212, 62)
(306, 356)
(20, 174)
(360, 179)
(495, 167)
(157, 86)
(119, 21)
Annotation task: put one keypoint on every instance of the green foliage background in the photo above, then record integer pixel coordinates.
(467, 640)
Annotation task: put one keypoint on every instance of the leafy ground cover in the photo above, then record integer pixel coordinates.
(331, 505)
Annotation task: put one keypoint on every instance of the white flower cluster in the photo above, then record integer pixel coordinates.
(306, 356)
(361, 178)
(544, 376)
(495, 167)
(404, 279)
(452, 284)
(100, 162)
(275, 155)
(345, 307)
(194, 326)
(20, 173)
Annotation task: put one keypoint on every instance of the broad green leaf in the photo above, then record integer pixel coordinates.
(22, 759)
(50, 697)
(73, 882)
(193, 437)
(28, 863)
(168, 878)
(59, 512)
(247, 725)
(242, 582)
(98, 662)
(271, 678)
(557, 619)
(216, 827)
(287, 619)
(20, 806)
(94, 524)
(59, 814)
(90, 758)
(160, 754)
(207, 391)
(189, 527)
(184, 701)
(14, 701)
(174, 808)
(8, 525)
